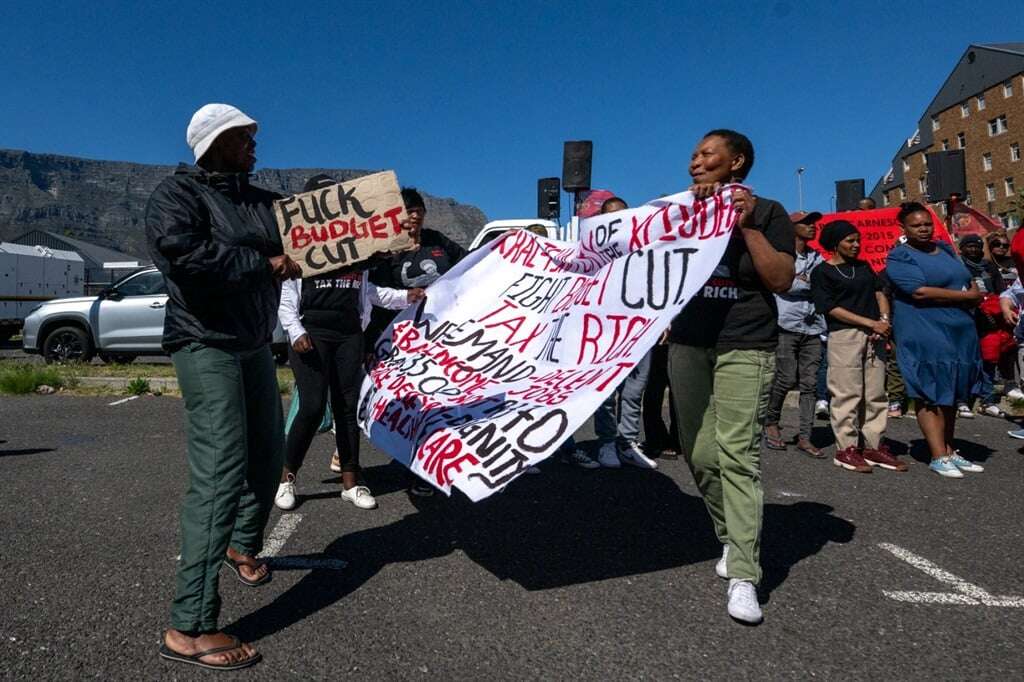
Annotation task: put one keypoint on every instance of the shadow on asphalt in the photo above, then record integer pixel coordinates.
(918, 450)
(564, 527)
(24, 451)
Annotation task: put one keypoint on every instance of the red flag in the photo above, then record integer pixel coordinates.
(879, 232)
(965, 220)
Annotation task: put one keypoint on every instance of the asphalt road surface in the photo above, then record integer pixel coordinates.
(571, 574)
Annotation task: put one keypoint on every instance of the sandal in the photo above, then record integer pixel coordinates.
(773, 442)
(234, 566)
(806, 447)
(172, 655)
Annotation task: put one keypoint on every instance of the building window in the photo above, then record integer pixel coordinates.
(906, 166)
(1014, 221)
(945, 145)
(920, 185)
(961, 141)
(903, 194)
(981, 102)
(997, 126)
(965, 110)
(1002, 219)
(990, 192)
(1014, 152)
(935, 122)
(1008, 89)
(967, 198)
(986, 162)
(1008, 186)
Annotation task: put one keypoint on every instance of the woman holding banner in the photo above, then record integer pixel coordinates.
(722, 361)
(324, 317)
(938, 352)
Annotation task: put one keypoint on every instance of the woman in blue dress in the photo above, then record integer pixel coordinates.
(938, 350)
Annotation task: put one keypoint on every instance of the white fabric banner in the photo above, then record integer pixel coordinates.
(516, 346)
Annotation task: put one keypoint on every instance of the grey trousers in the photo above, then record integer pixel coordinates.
(627, 401)
(797, 359)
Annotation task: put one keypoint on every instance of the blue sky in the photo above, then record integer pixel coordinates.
(474, 100)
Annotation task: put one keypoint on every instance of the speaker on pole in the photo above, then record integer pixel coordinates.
(848, 194)
(549, 199)
(576, 161)
(946, 174)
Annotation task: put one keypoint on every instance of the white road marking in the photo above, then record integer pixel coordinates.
(966, 593)
(282, 531)
(123, 400)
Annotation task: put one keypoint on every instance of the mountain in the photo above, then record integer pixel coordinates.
(104, 201)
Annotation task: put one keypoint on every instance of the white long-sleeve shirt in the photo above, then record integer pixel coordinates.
(369, 295)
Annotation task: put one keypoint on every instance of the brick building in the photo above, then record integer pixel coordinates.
(980, 109)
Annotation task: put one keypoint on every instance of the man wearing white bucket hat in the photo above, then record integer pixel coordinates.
(214, 238)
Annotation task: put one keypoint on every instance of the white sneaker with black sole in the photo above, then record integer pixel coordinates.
(964, 412)
(743, 605)
(285, 497)
(1015, 394)
(360, 497)
(722, 565)
(633, 455)
(608, 456)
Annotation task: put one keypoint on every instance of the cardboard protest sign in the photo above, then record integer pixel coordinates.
(342, 224)
(879, 232)
(517, 345)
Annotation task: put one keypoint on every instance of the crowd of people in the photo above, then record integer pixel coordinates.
(936, 329)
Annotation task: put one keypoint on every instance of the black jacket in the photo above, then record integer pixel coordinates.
(211, 235)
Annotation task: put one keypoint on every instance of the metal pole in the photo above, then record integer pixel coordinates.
(800, 187)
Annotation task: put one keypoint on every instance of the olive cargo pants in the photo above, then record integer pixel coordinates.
(720, 398)
(235, 452)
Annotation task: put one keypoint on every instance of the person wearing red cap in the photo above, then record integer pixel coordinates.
(799, 353)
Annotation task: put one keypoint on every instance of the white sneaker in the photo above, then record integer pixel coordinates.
(285, 497)
(722, 565)
(359, 496)
(580, 459)
(993, 411)
(634, 455)
(821, 408)
(1015, 394)
(743, 604)
(964, 412)
(608, 456)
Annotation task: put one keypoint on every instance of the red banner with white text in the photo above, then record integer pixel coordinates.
(879, 232)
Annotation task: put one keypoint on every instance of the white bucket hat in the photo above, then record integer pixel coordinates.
(210, 121)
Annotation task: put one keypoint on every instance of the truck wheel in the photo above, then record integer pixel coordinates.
(67, 344)
(118, 358)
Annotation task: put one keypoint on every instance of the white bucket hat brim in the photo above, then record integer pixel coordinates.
(210, 121)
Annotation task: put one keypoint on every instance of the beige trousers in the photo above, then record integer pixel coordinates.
(856, 380)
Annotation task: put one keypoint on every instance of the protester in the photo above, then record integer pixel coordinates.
(996, 342)
(999, 251)
(821, 389)
(659, 439)
(722, 359)
(214, 238)
(324, 316)
(799, 351)
(895, 389)
(849, 294)
(1011, 301)
(938, 350)
(433, 255)
(617, 420)
(866, 204)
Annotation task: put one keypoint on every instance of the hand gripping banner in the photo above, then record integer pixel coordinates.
(514, 348)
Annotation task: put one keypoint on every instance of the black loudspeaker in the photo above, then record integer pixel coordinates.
(576, 158)
(549, 200)
(848, 194)
(946, 174)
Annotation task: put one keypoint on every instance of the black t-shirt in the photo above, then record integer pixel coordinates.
(851, 286)
(435, 256)
(330, 304)
(734, 310)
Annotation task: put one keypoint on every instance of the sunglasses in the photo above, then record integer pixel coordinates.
(998, 245)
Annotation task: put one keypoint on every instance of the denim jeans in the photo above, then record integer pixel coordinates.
(628, 398)
(796, 366)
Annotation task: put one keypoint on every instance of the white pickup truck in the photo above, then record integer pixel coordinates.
(552, 230)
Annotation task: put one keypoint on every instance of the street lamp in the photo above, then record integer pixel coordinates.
(800, 186)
